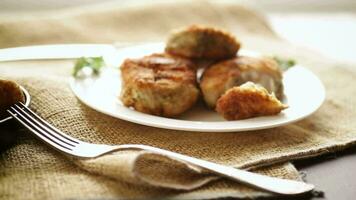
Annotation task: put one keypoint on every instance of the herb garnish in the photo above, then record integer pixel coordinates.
(94, 63)
(284, 64)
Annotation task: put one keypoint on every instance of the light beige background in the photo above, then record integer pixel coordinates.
(327, 26)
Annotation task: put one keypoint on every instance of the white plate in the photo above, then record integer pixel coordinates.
(303, 90)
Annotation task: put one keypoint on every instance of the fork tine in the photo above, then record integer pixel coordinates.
(46, 130)
(38, 131)
(48, 125)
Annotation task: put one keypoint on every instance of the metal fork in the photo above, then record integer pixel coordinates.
(74, 147)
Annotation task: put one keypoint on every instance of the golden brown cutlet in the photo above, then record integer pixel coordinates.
(246, 101)
(202, 42)
(159, 84)
(10, 93)
(236, 71)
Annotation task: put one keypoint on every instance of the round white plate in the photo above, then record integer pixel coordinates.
(303, 90)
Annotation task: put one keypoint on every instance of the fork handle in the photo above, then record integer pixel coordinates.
(267, 183)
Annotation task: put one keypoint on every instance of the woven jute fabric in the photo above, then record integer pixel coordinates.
(124, 174)
(31, 170)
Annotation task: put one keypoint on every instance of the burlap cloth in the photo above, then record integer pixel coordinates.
(31, 170)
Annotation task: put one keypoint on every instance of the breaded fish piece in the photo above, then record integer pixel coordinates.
(159, 84)
(10, 93)
(246, 101)
(201, 42)
(236, 71)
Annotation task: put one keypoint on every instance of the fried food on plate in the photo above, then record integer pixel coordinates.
(246, 101)
(200, 42)
(159, 84)
(233, 72)
(10, 93)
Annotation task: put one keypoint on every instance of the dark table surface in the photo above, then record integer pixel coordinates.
(334, 174)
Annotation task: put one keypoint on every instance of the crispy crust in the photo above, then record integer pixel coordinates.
(246, 101)
(233, 72)
(201, 42)
(10, 93)
(159, 84)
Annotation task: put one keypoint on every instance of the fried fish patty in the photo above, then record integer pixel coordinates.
(246, 101)
(159, 84)
(236, 71)
(10, 93)
(200, 42)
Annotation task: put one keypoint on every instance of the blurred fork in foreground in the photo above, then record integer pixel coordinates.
(74, 147)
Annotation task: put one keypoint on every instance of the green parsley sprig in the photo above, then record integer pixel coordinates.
(94, 63)
(284, 64)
